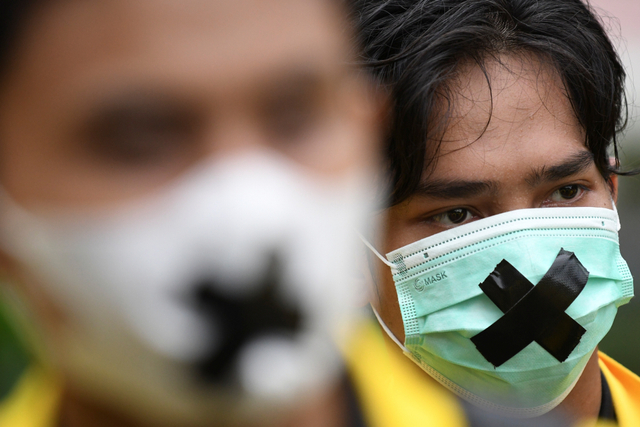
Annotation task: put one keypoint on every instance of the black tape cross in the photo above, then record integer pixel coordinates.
(533, 313)
(241, 319)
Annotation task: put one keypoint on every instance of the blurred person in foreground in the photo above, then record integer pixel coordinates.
(179, 185)
(500, 108)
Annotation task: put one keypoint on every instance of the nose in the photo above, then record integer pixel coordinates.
(234, 133)
(512, 202)
(239, 320)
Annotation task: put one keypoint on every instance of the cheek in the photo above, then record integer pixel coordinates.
(401, 228)
(603, 195)
(605, 201)
(386, 302)
(385, 298)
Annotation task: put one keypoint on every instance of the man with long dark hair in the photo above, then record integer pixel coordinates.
(500, 108)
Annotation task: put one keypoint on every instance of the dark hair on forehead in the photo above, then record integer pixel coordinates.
(415, 47)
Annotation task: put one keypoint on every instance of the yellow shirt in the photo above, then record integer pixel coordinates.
(393, 395)
(625, 391)
(390, 394)
(380, 377)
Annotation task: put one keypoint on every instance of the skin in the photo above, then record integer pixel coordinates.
(531, 155)
(110, 100)
(128, 95)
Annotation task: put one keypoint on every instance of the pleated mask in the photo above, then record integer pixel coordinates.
(506, 311)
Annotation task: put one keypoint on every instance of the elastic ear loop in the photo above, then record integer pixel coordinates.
(375, 252)
(389, 333)
(380, 321)
(615, 209)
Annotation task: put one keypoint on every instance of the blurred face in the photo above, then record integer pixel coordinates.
(109, 100)
(531, 155)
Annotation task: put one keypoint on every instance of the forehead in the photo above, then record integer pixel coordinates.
(211, 42)
(516, 108)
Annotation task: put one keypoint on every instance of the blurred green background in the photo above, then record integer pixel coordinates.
(13, 357)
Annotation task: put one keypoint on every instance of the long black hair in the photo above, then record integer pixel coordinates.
(414, 48)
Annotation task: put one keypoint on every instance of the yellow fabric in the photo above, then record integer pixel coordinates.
(34, 402)
(390, 393)
(625, 391)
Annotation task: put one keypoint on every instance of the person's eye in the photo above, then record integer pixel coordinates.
(568, 193)
(453, 217)
(140, 134)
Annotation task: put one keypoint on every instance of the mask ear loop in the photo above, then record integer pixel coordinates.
(615, 209)
(380, 321)
(388, 331)
(375, 252)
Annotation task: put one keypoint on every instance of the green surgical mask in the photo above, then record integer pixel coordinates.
(506, 311)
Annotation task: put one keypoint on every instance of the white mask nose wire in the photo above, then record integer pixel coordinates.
(375, 252)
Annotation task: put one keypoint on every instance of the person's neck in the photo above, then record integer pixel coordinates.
(583, 403)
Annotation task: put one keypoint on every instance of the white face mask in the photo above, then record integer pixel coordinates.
(143, 287)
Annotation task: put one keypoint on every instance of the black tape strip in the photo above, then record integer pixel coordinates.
(505, 286)
(533, 313)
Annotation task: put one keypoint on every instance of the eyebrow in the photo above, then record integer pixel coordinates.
(303, 75)
(455, 189)
(573, 165)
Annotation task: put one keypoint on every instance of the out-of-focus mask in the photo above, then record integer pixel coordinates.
(216, 295)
